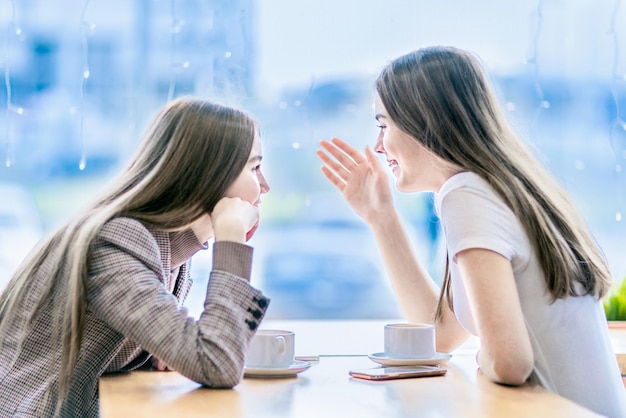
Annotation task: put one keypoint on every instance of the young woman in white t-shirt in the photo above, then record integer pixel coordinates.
(522, 273)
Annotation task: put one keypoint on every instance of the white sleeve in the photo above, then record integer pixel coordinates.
(477, 218)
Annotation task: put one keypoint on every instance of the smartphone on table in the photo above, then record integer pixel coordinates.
(399, 372)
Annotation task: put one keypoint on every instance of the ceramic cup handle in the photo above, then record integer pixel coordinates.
(280, 345)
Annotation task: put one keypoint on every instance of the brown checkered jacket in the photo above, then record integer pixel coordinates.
(132, 313)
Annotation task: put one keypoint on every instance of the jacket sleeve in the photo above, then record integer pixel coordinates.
(126, 291)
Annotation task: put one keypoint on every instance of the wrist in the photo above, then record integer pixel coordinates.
(384, 221)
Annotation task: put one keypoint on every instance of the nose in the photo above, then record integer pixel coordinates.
(378, 145)
(265, 187)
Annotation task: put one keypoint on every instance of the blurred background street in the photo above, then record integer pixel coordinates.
(81, 80)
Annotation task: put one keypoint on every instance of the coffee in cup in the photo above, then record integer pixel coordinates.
(271, 349)
(410, 341)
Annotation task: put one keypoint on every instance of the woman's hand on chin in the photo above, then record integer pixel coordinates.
(234, 220)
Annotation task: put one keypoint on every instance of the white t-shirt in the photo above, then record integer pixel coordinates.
(570, 339)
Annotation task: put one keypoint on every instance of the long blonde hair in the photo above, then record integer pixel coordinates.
(442, 98)
(189, 156)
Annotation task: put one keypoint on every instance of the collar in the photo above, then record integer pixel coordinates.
(183, 245)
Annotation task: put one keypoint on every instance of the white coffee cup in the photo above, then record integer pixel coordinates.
(414, 341)
(271, 348)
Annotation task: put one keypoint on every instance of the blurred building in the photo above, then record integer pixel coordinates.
(84, 77)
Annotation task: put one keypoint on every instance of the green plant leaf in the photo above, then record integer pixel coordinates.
(615, 303)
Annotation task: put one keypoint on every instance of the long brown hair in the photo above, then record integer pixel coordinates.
(189, 156)
(442, 98)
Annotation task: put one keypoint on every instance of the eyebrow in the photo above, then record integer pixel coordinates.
(255, 158)
(380, 115)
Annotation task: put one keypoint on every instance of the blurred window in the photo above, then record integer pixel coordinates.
(81, 80)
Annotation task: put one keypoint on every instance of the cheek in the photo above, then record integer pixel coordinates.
(250, 189)
(246, 187)
(390, 142)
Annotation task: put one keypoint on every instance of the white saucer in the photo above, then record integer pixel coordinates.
(381, 358)
(296, 367)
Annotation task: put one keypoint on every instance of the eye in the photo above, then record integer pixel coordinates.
(257, 168)
(381, 126)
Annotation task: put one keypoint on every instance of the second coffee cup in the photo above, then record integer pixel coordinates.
(271, 349)
(410, 341)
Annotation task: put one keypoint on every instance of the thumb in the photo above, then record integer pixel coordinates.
(372, 159)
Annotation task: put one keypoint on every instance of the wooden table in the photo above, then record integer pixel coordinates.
(326, 389)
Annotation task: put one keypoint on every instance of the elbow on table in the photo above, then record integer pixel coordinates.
(224, 374)
(226, 381)
(510, 374)
(220, 379)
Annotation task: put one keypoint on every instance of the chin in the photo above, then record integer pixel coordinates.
(401, 186)
(407, 188)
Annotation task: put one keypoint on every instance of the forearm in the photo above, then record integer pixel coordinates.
(500, 366)
(126, 292)
(416, 292)
(506, 354)
(233, 257)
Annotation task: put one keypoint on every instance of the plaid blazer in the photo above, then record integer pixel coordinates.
(131, 312)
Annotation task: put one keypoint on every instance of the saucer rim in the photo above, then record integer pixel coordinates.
(294, 368)
(381, 358)
(436, 356)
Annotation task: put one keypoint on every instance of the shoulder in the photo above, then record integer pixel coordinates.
(129, 236)
(473, 215)
(469, 191)
(463, 180)
(126, 230)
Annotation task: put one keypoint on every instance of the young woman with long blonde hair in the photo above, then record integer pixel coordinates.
(103, 293)
(523, 273)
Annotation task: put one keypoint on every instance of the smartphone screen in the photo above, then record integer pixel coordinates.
(388, 373)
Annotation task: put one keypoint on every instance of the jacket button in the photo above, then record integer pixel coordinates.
(251, 324)
(255, 313)
(262, 303)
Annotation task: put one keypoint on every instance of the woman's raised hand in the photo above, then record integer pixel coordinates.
(360, 178)
(234, 219)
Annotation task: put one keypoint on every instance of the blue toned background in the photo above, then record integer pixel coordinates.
(81, 79)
